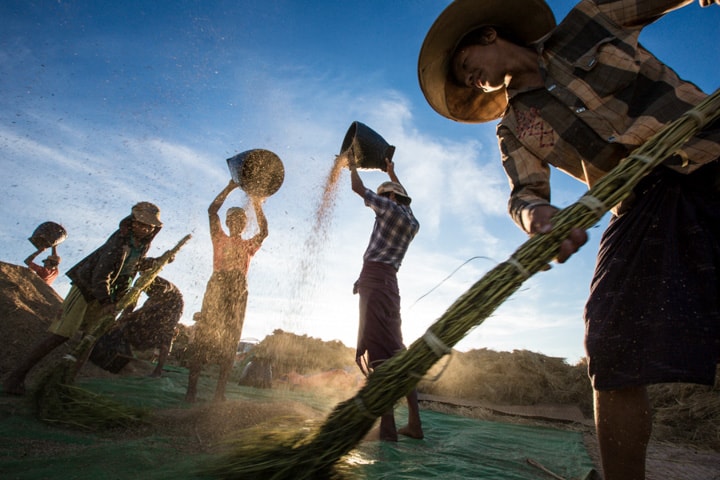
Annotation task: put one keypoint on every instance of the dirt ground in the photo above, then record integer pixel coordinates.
(27, 306)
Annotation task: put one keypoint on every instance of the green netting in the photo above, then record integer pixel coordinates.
(455, 447)
(461, 448)
(146, 459)
(169, 390)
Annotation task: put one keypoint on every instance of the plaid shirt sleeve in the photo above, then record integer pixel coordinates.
(594, 66)
(529, 176)
(638, 13)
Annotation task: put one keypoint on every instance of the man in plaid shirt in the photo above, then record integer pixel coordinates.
(580, 96)
(379, 332)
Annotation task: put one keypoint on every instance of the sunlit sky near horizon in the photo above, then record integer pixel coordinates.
(104, 104)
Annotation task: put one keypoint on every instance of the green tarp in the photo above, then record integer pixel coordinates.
(454, 447)
(461, 448)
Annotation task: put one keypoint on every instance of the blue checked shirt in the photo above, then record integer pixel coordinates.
(394, 229)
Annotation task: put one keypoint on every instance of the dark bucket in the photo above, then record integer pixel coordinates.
(48, 234)
(260, 173)
(369, 147)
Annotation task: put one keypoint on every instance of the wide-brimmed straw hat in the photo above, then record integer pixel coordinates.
(396, 188)
(147, 213)
(527, 20)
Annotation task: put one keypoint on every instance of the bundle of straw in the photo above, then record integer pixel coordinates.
(57, 400)
(314, 456)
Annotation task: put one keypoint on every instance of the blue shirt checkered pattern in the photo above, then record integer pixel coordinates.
(394, 229)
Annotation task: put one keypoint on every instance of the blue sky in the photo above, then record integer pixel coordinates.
(104, 104)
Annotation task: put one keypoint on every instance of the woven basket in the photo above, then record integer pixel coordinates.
(260, 173)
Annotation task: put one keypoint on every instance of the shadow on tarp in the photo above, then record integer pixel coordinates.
(454, 447)
(460, 448)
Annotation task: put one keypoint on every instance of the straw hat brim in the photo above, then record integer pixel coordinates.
(528, 20)
(393, 187)
(147, 213)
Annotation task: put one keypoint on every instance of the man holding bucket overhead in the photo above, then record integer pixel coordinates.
(379, 332)
(49, 270)
(219, 326)
(580, 96)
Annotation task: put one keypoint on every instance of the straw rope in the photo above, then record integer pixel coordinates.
(349, 422)
(57, 400)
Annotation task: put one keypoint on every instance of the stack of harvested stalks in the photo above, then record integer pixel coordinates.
(308, 456)
(58, 401)
(679, 405)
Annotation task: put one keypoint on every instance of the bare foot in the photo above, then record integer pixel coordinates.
(389, 438)
(376, 435)
(373, 435)
(412, 432)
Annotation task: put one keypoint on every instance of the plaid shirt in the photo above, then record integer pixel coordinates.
(394, 229)
(597, 75)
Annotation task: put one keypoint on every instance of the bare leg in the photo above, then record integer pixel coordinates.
(15, 383)
(193, 376)
(225, 369)
(82, 360)
(162, 356)
(388, 431)
(414, 427)
(623, 422)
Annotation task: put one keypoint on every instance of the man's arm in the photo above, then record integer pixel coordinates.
(214, 208)
(355, 180)
(29, 261)
(261, 220)
(390, 168)
(529, 203)
(638, 13)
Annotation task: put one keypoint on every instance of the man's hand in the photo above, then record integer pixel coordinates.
(707, 3)
(538, 220)
(350, 158)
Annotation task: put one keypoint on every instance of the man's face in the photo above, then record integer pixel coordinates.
(390, 195)
(480, 67)
(141, 230)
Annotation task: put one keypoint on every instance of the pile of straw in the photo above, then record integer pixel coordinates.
(520, 377)
(58, 401)
(313, 456)
(687, 414)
